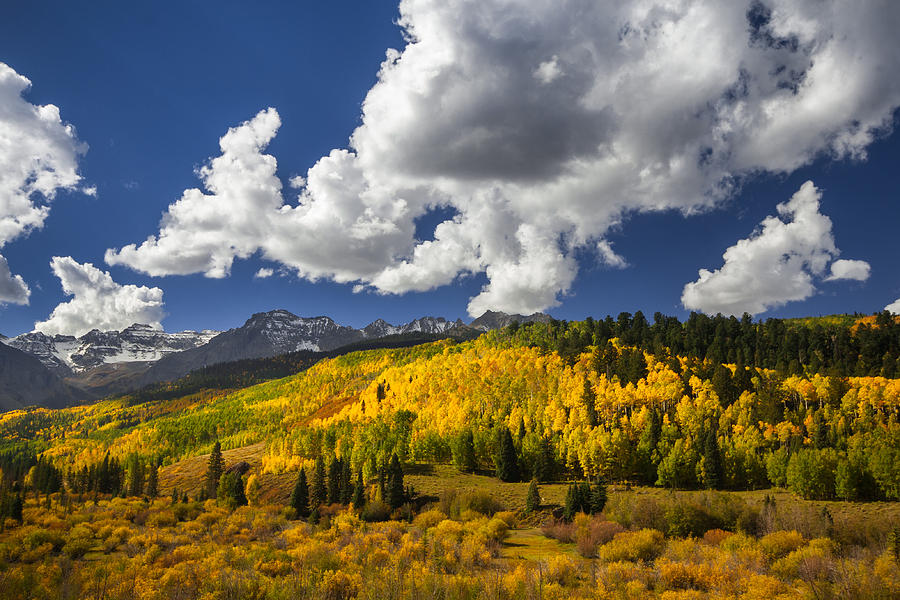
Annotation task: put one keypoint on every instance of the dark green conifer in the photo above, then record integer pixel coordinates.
(464, 452)
(318, 493)
(153, 480)
(300, 496)
(334, 481)
(598, 495)
(359, 492)
(533, 499)
(346, 483)
(394, 486)
(214, 469)
(507, 457)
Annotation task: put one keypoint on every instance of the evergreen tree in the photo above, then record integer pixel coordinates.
(300, 496)
(598, 496)
(318, 493)
(153, 480)
(712, 461)
(533, 499)
(545, 464)
(135, 476)
(17, 505)
(359, 492)
(346, 483)
(214, 470)
(464, 452)
(507, 458)
(571, 505)
(334, 481)
(394, 488)
(230, 491)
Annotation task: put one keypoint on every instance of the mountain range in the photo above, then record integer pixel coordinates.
(59, 370)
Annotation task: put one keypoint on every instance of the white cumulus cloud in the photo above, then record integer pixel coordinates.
(38, 156)
(98, 302)
(856, 270)
(778, 263)
(894, 307)
(543, 124)
(264, 273)
(13, 289)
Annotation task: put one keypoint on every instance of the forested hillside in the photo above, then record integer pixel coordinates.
(133, 497)
(610, 398)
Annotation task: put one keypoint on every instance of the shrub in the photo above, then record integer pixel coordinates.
(453, 503)
(685, 519)
(495, 530)
(781, 543)
(591, 532)
(560, 531)
(645, 544)
(809, 563)
(508, 517)
(562, 569)
(376, 510)
(714, 537)
(637, 512)
(428, 519)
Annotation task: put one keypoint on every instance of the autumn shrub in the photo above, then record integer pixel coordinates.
(561, 569)
(40, 537)
(809, 562)
(339, 585)
(715, 537)
(375, 511)
(495, 530)
(559, 530)
(635, 511)
(428, 519)
(477, 501)
(645, 544)
(591, 532)
(161, 518)
(685, 519)
(690, 575)
(867, 531)
(780, 543)
(508, 517)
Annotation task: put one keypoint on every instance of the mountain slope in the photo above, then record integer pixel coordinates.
(66, 355)
(24, 381)
(280, 332)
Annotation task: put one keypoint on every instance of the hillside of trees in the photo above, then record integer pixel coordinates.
(587, 410)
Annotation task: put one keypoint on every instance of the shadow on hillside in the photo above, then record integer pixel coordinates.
(418, 469)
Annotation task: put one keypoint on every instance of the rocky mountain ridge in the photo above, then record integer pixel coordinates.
(66, 355)
(112, 362)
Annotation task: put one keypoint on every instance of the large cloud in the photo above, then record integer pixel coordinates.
(38, 156)
(13, 288)
(544, 123)
(777, 264)
(894, 307)
(98, 302)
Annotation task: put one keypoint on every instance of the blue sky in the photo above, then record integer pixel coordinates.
(151, 90)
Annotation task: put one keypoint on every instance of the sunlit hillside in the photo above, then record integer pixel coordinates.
(786, 474)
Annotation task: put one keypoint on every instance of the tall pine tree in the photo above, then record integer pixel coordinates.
(214, 469)
(300, 496)
(318, 493)
(394, 490)
(507, 457)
